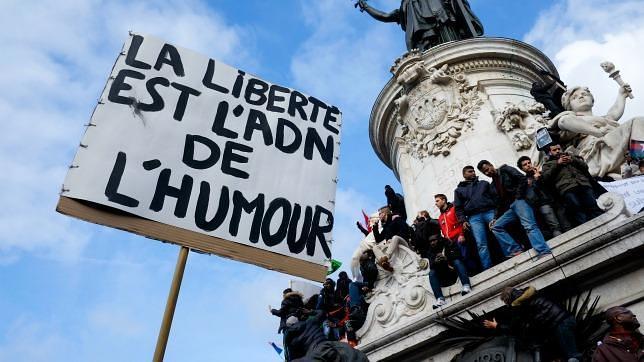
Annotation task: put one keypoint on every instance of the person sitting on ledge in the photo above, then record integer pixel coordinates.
(570, 177)
(511, 185)
(445, 261)
(539, 312)
(394, 230)
(624, 341)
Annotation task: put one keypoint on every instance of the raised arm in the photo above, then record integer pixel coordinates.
(391, 17)
(617, 110)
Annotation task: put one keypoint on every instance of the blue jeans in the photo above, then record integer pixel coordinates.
(331, 333)
(479, 223)
(581, 204)
(435, 283)
(355, 294)
(565, 334)
(521, 211)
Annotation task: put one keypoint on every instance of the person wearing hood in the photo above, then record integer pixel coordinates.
(624, 342)
(542, 313)
(292, 304)
(511, 186)
(307, 342)
(395, 202)
(475, 202)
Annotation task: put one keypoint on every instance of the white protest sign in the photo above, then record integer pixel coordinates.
(632, 189)
(195, 144)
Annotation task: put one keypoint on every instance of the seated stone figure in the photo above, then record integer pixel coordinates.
(599, 140)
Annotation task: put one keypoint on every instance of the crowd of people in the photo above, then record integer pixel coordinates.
(485, 223)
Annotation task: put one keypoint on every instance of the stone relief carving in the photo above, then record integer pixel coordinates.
(405, 292)
(434, 108)
(520, 121)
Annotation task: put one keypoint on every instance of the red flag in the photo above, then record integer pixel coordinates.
(366, 221)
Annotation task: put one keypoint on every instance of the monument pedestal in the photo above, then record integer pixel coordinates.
(453, 105)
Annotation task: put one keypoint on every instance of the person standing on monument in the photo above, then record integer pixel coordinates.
(428, 23)
(540, 199)
(452, 229)
(395, 202)
(570, 177)
(624, 341)
(511, 185)
(475, 202)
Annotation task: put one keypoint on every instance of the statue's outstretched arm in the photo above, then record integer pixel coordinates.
(391, 17)
(617, 110)
(571, 122)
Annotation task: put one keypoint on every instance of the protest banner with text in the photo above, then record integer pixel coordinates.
(198, 153)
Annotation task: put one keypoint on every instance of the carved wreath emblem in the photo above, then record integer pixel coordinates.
(436, 110)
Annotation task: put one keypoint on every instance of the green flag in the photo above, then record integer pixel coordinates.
(335, 265)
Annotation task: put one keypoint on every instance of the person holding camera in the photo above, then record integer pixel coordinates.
(570, 177)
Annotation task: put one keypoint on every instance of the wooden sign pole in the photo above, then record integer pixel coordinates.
(170, 305)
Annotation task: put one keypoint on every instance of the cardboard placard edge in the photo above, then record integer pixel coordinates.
(194, 240)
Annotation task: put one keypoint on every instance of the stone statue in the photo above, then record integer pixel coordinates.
(600, 140)
(428, 23)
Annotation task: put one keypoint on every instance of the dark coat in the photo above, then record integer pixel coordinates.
(536, 310)
(618, 349)
(513, 183)
(427, 18)
(565, 177)
(537, 193)
(303, 336)
(369, 271)
(396, 225)
(474, 197)
(292, 305)
(396, 203)
(420, 237)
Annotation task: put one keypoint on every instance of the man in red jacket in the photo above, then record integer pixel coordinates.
(453, 230)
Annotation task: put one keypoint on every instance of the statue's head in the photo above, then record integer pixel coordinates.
(578, 99)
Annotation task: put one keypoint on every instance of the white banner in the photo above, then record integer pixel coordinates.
(191, 142)
(632, 189)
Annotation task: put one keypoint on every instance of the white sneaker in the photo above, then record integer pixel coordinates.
(439, 303)
(466, 289)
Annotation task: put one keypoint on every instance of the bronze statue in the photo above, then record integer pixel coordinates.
(428, 23)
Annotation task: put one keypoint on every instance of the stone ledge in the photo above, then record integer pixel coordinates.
(586, 247)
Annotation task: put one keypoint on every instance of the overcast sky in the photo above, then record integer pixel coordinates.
(73, 291)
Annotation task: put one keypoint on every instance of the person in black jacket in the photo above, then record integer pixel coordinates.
(423, 228)
(537, 312)
(395, 202)
(475, 202)
(510, 185)
(292, 304)
(332, 310)
(539, 197)
(394, 230)
(307, 343)
(445, 261)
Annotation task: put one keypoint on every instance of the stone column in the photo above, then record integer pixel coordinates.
(452, 106)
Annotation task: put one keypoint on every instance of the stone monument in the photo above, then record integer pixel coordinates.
(450, 106)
